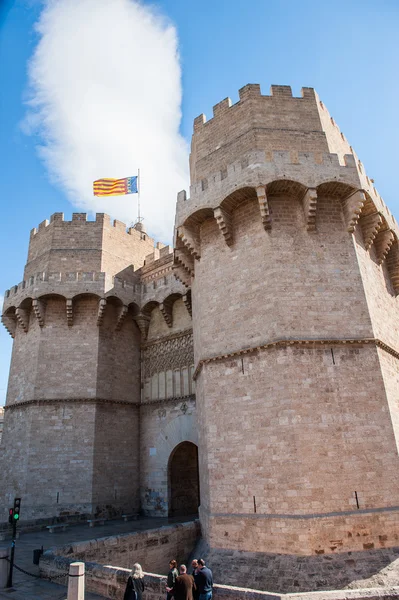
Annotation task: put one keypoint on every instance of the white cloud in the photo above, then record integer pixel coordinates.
(105, 84)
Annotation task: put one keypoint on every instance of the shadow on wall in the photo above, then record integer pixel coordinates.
(285, 573)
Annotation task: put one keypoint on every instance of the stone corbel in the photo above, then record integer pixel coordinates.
(166, 311)
(309, 206)
(382, 243)
(190, 241)
(185, 260)
(370, 225)
(10, 324)
(182, 275)
(121, 317)
(187, 303)
(38, 309)
(69, 312)
(101, 311)
(264, 207)
(22, 317)
(353, 206)
(223, 219)
(393, 266)
(143, 323)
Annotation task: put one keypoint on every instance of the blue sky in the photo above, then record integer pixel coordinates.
(348, 51)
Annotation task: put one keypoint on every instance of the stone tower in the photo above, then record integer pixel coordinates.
(293, 261)
(90, 304)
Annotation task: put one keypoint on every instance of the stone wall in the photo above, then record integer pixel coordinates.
(153, 548)
(81, 245)
(163, 427)
(288, 573)
(110, 582)
(275, 122)
(295, 330)
(288, 432)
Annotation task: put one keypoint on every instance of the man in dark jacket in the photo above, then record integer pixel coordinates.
(184, 585)
(194, 565)
(205, 581)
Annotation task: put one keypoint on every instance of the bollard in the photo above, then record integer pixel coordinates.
(76, 585)
(4, 566)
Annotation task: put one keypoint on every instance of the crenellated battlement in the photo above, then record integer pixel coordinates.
(259, 168)
(101, 220)
(271, 123)
(99, 245)
(265, 147)
(252, 91)
(33, 293)
(160, 251)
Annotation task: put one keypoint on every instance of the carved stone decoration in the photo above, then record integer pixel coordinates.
(38, 310)
(22, 316)
(143, 323)
(309, 206)
(190, 241)
(370, 225)
(383, 241)
(121, 317)
(223, 219)
(181, 274)
(185, 260)
(393, 266)
(10, 324)
(352, 206)
(69, 312)
(187, 303)
(264, 207)
(101, 311)
(166, 311)
(173, 353)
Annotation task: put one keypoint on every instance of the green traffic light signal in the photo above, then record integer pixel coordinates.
(16, 516)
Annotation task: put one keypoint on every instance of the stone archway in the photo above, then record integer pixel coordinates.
(183, 480)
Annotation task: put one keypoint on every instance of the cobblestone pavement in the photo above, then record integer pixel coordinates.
(29, 588)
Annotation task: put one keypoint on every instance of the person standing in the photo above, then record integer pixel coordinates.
(135, 584)
(194, 565)
(184, 585)
(205, 581)
(170, 582)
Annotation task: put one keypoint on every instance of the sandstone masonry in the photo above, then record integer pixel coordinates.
(292, 259)
(268, 337)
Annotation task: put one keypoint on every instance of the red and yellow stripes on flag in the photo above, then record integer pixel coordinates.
(111, 187)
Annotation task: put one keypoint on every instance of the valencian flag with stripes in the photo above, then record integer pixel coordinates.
(115, 187)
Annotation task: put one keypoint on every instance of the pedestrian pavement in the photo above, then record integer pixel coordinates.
(26, 587)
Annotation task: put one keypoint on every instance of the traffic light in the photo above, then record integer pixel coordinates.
(17, 507)
(10, 515)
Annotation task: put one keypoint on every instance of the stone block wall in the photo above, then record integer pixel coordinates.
(288, 458)
(290, 284)
(78, 343)
(275, 122)
(163, 427)
(81, 245)
(284, 246)
(284, 577)
(152, 548)
(45, 448)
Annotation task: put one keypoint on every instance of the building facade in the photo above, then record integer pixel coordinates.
(268, 340)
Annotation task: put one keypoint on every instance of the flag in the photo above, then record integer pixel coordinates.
(115, 187)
